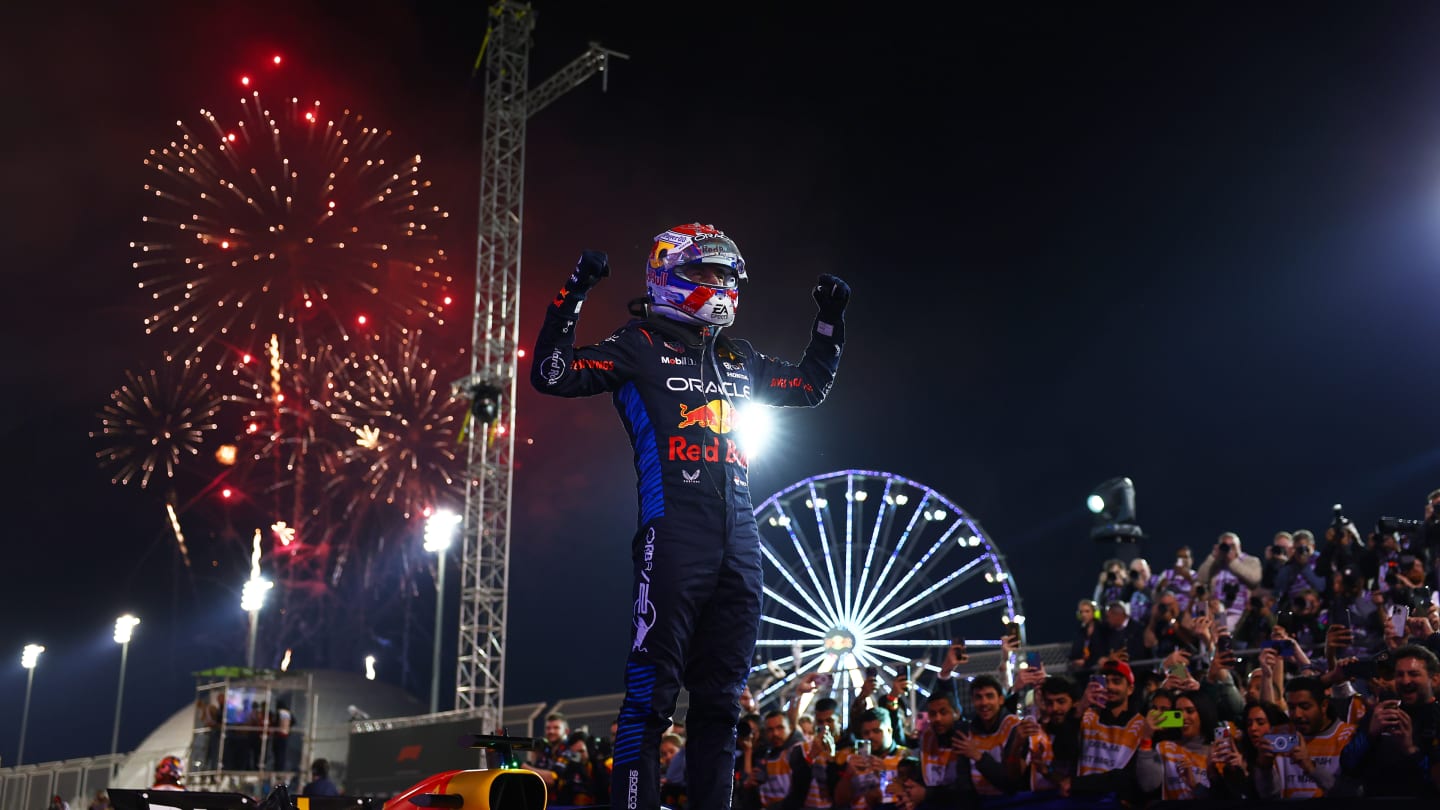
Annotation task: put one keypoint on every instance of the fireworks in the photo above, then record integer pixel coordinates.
(154, 421)
(296, 250)
(289, 402)
(290, 220)
(405, 429)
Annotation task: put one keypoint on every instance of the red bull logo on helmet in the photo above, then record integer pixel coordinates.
(718, 415)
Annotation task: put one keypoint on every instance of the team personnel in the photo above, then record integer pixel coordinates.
(678, 384)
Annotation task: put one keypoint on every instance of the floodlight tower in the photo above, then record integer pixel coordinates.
(485, 556)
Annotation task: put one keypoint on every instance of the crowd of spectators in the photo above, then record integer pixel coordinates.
(1307, 671)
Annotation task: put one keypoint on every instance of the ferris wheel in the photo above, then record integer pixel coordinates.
(868, 569)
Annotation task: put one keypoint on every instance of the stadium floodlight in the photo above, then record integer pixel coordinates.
(440, 529)
(124, 628)
(29, 657)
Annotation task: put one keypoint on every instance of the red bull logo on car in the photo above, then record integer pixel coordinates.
(717, 414)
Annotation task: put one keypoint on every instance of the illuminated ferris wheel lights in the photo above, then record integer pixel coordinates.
(818, 503)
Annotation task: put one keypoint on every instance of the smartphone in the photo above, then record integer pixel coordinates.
(1171, 720)
(1421, 599)
(1222, 732)
(1012, 629)
(959, 645)
(1179, 670)
(1345, 619)
(872, 672)
(862, 748)
(1224, 643)
(1399, 615)
(1097, 679)
(1284, 648)
(1032, 659)
(824, 681)
(1282, 742)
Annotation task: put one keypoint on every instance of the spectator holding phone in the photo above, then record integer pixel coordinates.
(1236, 758)
(1304, 762)
(1048, 744)
(1118, 637)
(1396, 749)
(1180, 767)
(1110, 732)
(870, 767)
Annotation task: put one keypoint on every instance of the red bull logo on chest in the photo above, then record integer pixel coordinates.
(718, 415)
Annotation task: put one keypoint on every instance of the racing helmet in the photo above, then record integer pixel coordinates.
(694, 274)
(170, 771)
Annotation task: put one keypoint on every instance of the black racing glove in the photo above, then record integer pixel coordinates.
(831, 296)
(593, 266)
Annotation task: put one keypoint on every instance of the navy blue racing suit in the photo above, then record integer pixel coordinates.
(696, 555)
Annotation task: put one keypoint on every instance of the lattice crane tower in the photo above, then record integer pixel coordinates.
(485, 564)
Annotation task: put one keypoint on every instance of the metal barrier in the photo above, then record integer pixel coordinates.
(29, 787)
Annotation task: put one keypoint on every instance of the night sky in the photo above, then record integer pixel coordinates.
(1197, 247)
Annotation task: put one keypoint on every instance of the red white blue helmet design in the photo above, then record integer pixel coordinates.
(170, 771)
(674, 291)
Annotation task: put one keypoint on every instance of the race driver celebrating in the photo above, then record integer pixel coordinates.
(677, 384)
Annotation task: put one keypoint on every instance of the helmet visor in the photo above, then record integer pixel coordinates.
(710, 274)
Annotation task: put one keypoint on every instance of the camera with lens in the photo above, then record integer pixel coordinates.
(1230, 590)
(1394, 525)
(1340, 523)
(1378, 665)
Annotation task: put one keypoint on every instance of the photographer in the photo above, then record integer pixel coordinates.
(1110, 586)
(1139, 590)
(575, 774)
(546, 760)
(1297, 574)
(1178, 579)
(1342, 547)
(1276, 555)
(1256, 623)
(1229, 574)
(1163, 631)
(1396, 750)
(1302, 621)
